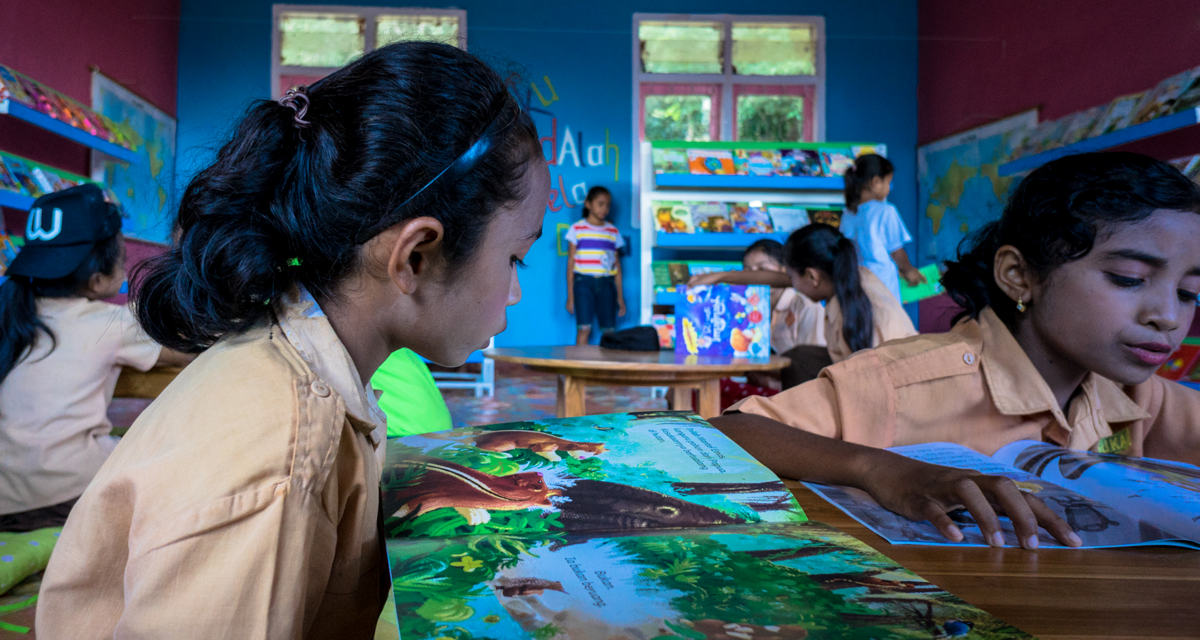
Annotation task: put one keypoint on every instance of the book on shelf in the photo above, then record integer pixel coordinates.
(724, 320)
(758, 162)
(1189, 98)
(36, 96)
(864, 149)
(1184, 364)
(1109, 500)
(802, 162)
(750, 217)
(834, 162)
(711, 162)
(637, 525)
(786, 219)
(669, 160)
(1119, 114)
(672, 217)
(1160, 100)
(1082, 124)
(711, 217)
(831, 217)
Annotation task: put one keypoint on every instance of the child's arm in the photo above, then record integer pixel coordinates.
(911, 274)
(620, 291)
(571, 278)
(914, 489)
(772, 278)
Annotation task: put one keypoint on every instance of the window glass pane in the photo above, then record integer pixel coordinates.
(774, 49)
(391, 29)
(681, 47)
(678, 118)
(770, 118)
(319, 40)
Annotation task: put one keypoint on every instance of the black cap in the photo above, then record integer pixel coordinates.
(61, 230)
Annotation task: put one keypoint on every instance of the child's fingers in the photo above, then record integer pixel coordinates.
(972, 498)
(1012, 502)
(936, 515)
(1051, 522)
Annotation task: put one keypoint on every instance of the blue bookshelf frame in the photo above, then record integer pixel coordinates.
(700, 240)
(1155, 127)
(687, 180)
(39, 119)
(15, 200)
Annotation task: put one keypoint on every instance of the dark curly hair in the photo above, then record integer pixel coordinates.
(290, 203)
(1054, 216)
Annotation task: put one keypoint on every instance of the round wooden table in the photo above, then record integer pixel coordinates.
(580, 366)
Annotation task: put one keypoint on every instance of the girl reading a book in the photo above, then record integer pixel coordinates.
(1071, 300)
(875, 225)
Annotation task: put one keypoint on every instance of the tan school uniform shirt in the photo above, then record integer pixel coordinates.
(243, 503)
(975, 386)
(54, 428)
(890, 320)
(797, 320)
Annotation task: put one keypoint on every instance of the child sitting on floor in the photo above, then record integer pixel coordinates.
(61, 351)
(1082, 289)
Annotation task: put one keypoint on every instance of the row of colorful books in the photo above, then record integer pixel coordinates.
(28, 178)
(37, 96)
(9, 245)
(730, 217)
(1177, 93)
(829, 161)
(671, 273)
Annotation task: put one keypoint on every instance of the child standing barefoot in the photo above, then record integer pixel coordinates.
(594, 268)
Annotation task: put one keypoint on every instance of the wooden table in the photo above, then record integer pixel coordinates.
(580, 366)
(144, 384)
(1147, 592)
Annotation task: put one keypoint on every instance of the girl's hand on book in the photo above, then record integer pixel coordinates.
(704, 278)
(922, 491)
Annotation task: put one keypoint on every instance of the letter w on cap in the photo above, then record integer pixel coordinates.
(34, 230)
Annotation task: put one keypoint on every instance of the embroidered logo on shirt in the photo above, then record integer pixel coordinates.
(1119, 442)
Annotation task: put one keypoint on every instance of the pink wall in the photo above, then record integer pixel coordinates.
(982, 60)
(57, 42)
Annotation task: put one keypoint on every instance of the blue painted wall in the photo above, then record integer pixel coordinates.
(585, 49)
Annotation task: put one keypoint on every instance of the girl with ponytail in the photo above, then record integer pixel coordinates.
(875, 225)
(387, 206)
(1072, 299)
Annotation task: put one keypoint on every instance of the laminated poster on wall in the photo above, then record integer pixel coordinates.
(672, 217)
(636, 525)
(714, 162)
(787, 219)
(712, 217)
(724, 320)
(750, 217)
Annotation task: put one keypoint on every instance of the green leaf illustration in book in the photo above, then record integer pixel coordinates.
(644, 525)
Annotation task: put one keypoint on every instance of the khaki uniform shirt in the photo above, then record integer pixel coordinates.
(890, 320)
(54, 428)
(975, 386)
(797, 320)
(243, 503)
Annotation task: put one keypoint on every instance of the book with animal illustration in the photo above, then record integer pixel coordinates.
(639, 525)
(724, 320)
(1110, 500)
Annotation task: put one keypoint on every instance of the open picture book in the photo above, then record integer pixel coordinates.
(638, 525)
(1109, 500)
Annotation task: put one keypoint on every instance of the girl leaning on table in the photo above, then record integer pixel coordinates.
(1071, 300)
(348, 221)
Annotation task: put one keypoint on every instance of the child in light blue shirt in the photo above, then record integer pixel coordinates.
(875, 225)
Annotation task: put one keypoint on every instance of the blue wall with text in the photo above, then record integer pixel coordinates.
(585, 50)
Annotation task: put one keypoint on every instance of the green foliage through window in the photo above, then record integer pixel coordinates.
(770, 118)
(678, 117)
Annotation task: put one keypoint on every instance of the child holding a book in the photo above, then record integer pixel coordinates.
(875, 225)
(61, 351)
(594, 290)
(1072, 300)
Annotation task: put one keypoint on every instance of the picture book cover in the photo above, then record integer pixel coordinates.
(1082, 124)
(7, 181)
(724, 320)
(756, 162)
(748, 218)
(1161, 99)
(678, 272)
(834, 162)
(831, 217)
(1189, 98)
(661, 272)
(640, 525)
(672, 217)
(669, 160)
(1119, 114)
(786, 219)
(864, 149)
(717, 162)
(1182, 361)
(928, 289)
(712, 217)
(801, 162)
(20, 172)
(1054, 134)
(1031, 140)
(1109, 500)
(664, 324)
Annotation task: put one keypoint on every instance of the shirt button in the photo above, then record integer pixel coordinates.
(969, 358)
(321, 389)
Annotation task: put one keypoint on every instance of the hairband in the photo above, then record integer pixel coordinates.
(289, 100)
(507, 114)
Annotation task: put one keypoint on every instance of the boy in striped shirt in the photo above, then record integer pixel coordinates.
(594, 268)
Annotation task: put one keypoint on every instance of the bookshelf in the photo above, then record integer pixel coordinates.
(38, 119)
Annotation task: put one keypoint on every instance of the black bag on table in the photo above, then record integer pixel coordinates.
(631, 339)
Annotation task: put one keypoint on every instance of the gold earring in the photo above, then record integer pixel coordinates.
(1021, 304)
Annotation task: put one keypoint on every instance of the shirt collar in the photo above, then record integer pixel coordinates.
(1018, 389)
(309, 331)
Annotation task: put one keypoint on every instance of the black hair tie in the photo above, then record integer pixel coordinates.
(297, 100)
